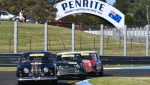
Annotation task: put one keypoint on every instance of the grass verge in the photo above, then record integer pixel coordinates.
(31, 37)
(120, 81)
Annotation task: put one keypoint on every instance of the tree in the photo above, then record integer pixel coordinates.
(140, 15)
(40, 10)
(121, 5)
(130, 20)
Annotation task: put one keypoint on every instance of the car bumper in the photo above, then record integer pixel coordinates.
(69, 72)
(91, 69)
(36, 79)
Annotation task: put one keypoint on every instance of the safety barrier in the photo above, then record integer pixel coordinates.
(10, 60)
(122, 60)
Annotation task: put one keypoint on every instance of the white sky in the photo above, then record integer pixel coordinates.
(110, 1)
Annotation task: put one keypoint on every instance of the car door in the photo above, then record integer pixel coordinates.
(98, 62)
(4, 16)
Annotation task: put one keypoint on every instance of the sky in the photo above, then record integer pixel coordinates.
(110, 1)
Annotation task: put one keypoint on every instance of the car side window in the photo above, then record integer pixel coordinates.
(58, 58)
(18, 60)
(97, 56)
(24, 59)
(4, 13)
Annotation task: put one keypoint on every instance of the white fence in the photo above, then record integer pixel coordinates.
(136, 34)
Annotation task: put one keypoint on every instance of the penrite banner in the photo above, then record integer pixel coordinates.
(95, 7)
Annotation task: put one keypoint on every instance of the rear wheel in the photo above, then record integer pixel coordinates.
(17, 20)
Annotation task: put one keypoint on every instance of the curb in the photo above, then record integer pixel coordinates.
(131, 67)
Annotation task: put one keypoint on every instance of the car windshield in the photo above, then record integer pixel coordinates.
(87, 56)
(37, 57)
(69, 57)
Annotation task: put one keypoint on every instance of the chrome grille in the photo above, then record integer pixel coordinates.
(36, 70)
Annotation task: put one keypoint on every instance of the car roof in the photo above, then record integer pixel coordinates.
(89, 51)
(68, 53)
(29, 52)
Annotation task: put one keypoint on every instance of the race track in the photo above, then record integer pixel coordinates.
(9, 78)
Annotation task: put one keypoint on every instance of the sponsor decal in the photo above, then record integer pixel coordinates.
(67, 55)
(82, 5)
(95, 7)
(85, 54)
(33, 55)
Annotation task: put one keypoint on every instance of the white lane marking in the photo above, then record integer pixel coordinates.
(131, 67)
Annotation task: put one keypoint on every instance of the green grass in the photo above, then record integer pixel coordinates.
(120, 81)
(31, 37)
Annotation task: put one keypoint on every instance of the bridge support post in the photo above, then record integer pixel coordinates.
(46, 37)
(101, 39)
(125, 40)
(73, 37)
(15, 36)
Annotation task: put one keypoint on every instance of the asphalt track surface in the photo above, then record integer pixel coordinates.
(9, 78)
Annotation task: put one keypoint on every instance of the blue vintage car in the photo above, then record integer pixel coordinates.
(36, 66)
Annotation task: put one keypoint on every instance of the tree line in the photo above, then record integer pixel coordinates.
(42, 10)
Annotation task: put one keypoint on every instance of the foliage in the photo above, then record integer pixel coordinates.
(121, 5)
(129, 20)
(40, 10)
(139, 10)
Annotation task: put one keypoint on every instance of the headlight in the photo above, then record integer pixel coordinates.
(90, 64)
(46, 69)
(26, 70)
(42, 73)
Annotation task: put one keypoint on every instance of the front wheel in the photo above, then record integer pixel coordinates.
(102, 72)
(82, 77)
(54, 82)
(95, 72)
(19, 83)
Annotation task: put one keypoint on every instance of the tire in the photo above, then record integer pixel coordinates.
(94, 73)
(102, 72)
(82, 77)
(54, 82)
(17, 20)
(19, 83)
(59, 77)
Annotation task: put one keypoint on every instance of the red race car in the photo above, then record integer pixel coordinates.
(92, 62)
